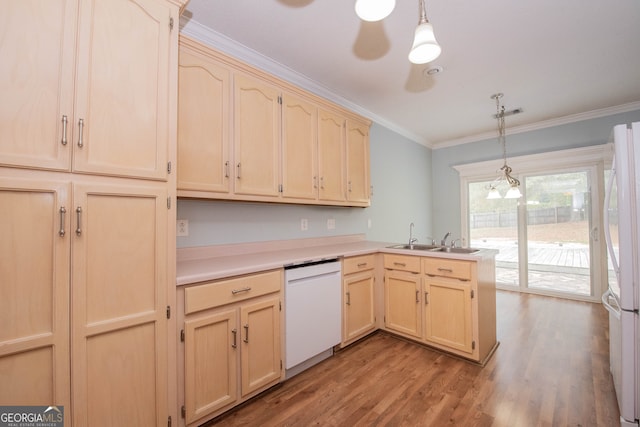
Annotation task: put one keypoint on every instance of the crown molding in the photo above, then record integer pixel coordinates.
(219, 41)
(594, 114)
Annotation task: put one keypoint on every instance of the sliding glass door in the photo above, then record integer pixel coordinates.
(558, 232)
(547, 238)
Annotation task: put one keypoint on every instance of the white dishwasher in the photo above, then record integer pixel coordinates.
(312, 300)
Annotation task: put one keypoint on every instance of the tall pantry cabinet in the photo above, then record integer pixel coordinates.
(87, 207)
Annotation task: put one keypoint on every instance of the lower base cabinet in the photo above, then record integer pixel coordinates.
(232, 345)
(358, 286)
(445, 303)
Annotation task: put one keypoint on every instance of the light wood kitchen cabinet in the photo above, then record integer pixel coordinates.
(331, 157)
(299, 148)
(285, 145)
(232, 344)
(358, 189)
(403, 311)
(447, 314)
(358, 285)
(34, 282)
(74, 105)
(256, 140)
(74, 248)
(204, 122)
(85, 297)
(445, 303)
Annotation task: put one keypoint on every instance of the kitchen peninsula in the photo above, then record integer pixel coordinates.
(229, 293)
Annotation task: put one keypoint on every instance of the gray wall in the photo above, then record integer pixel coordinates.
(445, 179)
(400, 175)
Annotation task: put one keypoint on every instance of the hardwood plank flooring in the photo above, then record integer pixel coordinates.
(551, 369)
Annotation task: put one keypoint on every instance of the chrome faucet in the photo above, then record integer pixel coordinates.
(412, 239)
(443, 242)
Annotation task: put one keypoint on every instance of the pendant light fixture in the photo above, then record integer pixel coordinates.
(374, 10)
(425, 47)
(505, 170)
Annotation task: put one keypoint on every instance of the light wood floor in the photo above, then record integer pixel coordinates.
(551, 369)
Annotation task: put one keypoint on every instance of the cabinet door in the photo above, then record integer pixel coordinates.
(359, 314)
(204, 119)
(331, 156)
(125, 54)
(256, 137)
(448, 314)
(403, 310)
(36, 82)
(261, 360)
(357, 162)
(34, 284)
(119, 302)
(211, 369)
(299, 148)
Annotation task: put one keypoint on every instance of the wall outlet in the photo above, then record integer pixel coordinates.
(331, 224)
(304, 224)
(182, 228)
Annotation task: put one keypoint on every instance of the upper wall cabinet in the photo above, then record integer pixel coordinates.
(73, 106)
(246, 135)
(204, 122)
(357, 162)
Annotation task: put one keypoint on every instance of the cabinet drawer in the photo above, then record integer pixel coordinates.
(226, 291)
(447, 268)
(358, 263)
(401, 262)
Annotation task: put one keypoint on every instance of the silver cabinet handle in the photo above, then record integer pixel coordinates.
(64, 130)
(237, 291)
(322, 182)
(362, 264)
(226, 169)
(246, 333)
(80, 129)
(348, 298)
(426, 297)
(349, 186)
(235, 338)
(447, 270)
(62, 212)
(401, 264)
(238, 172)
(417, 296)
(315, 182)
(79, 220)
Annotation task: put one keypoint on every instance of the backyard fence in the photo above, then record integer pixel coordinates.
(534, 216)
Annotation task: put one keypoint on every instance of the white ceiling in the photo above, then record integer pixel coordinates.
(559, 61)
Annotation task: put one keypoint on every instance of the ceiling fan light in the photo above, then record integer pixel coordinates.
(425, 47)
(374, 10)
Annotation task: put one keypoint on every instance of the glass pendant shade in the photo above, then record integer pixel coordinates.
(494, 194)
(513, 193)
(374, 10)
(425, 47)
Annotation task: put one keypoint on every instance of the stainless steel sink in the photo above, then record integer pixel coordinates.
(456, 250)
(415, 247)
(435, 248)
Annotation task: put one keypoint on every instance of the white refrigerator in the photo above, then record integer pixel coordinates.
(622, 233)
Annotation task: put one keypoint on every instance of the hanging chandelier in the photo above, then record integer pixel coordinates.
(505, 171)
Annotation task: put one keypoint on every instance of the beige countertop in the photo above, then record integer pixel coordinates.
(200, 264)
